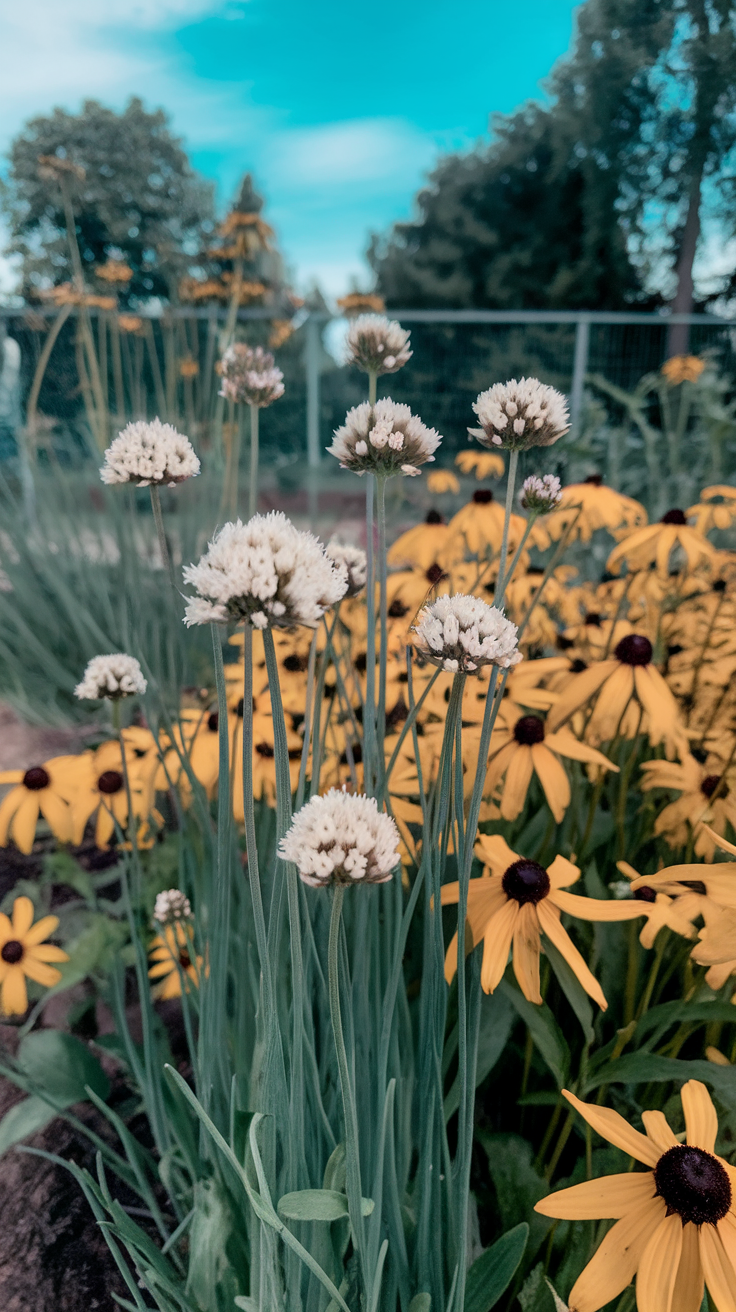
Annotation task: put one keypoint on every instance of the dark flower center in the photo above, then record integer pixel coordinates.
(483, 496)
(710, 784)
(529, 729)
(563, 643)
(213, 722)
(435, 573)
(595, 479)
(693, 1184)
(634, 650)
(645, 894)
(535, 569)
(434, 517)
(577, 667)
(265, 749)
(526, 881)
(295, 663)
(673, 517)
(593, 617)
(239, 709)
(397, 610)
(12, 951)
(36, 778)
(719, 585)
(674, 649)
(110, 782)
(185, 960)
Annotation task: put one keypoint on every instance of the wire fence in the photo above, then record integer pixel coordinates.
(165, 364)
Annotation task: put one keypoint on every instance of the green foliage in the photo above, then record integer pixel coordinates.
(492, 1273)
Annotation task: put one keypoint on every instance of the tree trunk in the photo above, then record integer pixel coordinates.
(678, 337)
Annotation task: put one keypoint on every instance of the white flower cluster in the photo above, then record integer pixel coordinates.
(342, 838)
(112, 677)
(541, 494)
(377, 344)
(170, 906)
(149, 453)
(249, 374)
(385, 438)
(266, 572)
(462, 633)
(518, 415)
(355, 562)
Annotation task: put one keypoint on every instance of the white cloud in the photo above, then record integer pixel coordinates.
(370, 150)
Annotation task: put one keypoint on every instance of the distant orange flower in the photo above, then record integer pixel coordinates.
(683, 369)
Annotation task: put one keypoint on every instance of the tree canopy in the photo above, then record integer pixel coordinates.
(135, 196)
(583, 201)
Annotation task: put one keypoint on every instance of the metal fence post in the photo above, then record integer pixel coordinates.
(579, 370)
(312, 370)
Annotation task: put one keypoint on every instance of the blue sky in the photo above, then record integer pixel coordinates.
(339, 109)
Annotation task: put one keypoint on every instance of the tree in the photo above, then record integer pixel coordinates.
(136, 199)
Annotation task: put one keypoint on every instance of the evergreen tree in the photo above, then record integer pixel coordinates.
(136, 199)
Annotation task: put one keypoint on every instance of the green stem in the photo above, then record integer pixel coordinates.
(352, 1153)
(253, 483)
(503, 575)
(383, 613)
(369, 710)
(372, 381)
(158, 520)
(251, 846)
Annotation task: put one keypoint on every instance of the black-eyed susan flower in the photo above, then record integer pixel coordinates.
(592, 505)
(520, 748)
(676, 913)
(706, 803)
(41, 790)
(420, 546)
(654, 544)
(174, 961)
(484, 464)
(442, 480)
(513, 903)
(477, 531)
(24, 954)
(675, 1221)
(716, 508)
(629, 673)
(99, 791)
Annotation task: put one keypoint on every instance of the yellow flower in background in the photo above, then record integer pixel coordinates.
(706, 802)
(420, 546)
(654, 544)
(42, 790)
(615, 682)
(25, 955)
(592, 505)
(174, 961)
(484, 464)
(442, 480)
(477, 530)
(675, 1222)
(520, 748)
(710, 513)
(99, 791)
(517, 901)
(664, 911)
(683, 369)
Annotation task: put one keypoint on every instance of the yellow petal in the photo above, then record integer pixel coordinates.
(45, 952)
(580, 690)
(526, 953)
(611, 1196)
(609, 1125)
(22, 916)
(562, 873)
(555, 932)
(553, 779)
(518, 779)
(701, 1121)
(497, 941)
(655, 1281)
(41, 930)
(23, 828)
(494, 851)
(8, 808)
(689, 1282)
(617, 1258)
(57, 815)
(6, 929)
(566, 744)
(720, 1276)
(13, 996)
(659, 1131)
(594, 908)
(40, 972)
